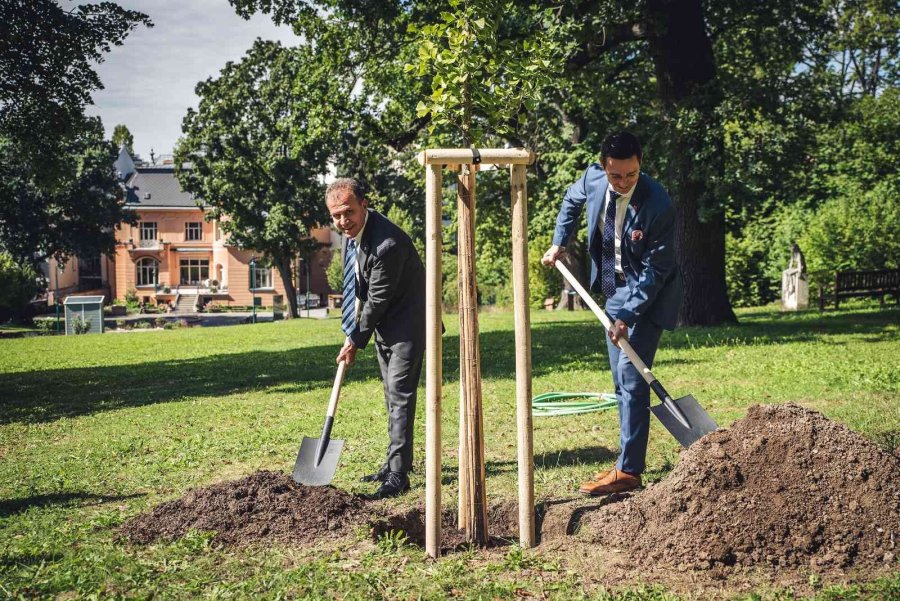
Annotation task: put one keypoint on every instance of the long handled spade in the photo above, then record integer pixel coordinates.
(684, 418)
(318, 457)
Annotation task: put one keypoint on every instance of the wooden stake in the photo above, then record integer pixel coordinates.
(433, 375)
(496, 156)
(476, 518)
(519, 199)
(465, 494)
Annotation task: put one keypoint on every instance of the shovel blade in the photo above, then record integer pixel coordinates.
(699, 421)
(305, 469)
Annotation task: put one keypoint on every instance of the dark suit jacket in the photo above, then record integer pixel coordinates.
(391, 286)
(648, 244)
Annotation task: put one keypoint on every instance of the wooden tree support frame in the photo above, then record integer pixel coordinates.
(472, 505)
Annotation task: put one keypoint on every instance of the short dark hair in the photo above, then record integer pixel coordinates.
(620, 145)
(346, 183)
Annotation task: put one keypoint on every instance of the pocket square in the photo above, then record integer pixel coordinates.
(637, 235)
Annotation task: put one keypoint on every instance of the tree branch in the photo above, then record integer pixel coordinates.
(400, 141)
(607, 39)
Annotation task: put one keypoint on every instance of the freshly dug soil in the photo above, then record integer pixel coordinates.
(503, 526)
(265, 506)
(783, 487)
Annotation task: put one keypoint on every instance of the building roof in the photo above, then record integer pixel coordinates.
(83, 300)
(156, 187)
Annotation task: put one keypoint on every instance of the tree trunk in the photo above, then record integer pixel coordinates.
(687, 87)
(283, 265)
(568, 298)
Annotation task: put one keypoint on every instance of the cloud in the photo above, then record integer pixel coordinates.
(149, 81)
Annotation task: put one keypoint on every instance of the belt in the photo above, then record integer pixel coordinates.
(620, 279)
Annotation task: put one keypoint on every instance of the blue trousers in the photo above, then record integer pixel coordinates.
(632, 392)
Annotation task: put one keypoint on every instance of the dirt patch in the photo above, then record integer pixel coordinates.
(503, 526)
(784, 487)
(265, 506)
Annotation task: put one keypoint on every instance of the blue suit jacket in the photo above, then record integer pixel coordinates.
(648, 258)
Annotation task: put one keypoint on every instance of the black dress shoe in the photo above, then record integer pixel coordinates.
(395, 483)
(378, 476)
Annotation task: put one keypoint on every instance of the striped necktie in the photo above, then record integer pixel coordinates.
(608, 256)
(348, 305)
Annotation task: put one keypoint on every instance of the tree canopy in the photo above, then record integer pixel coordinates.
(122, 136)
(58, 191)
(728, 98)
(258, 147)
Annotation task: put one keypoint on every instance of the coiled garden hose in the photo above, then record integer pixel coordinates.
(551, 404)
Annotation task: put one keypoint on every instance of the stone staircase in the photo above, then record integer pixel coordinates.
(185, 303)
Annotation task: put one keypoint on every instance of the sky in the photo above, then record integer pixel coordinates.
(149, 81)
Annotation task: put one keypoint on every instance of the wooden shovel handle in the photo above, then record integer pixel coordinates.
(336, 389)
(607, 322)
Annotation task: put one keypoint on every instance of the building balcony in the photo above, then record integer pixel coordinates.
(145, 245)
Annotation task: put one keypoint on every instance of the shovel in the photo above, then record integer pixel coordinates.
(318, 457)
(684, 418)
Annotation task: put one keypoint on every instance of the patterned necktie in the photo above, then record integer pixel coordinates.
(608, 262)
(348, 305)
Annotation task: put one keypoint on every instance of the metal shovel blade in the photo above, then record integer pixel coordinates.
(699, 423)
(305, 469)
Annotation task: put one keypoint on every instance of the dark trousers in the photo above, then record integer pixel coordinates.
(401, 366)
(632, 391)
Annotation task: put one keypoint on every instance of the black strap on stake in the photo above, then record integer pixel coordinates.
(476, 157)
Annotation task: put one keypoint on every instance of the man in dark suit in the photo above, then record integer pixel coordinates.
(631, 237)
(384, 295)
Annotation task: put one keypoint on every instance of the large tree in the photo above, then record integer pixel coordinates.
(58, 190)
(259, 145)
(76, 215)
(723, 93)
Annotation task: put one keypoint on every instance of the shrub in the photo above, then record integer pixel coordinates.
(757, 254)
(854, 232)
(80, 325)
(18, 285)
(160, 322)
(45, 326)
(335, 272)
(543, 281)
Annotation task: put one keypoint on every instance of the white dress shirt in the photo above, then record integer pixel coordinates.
(621, 211)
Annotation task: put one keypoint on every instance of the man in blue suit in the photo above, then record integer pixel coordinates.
(631, 236)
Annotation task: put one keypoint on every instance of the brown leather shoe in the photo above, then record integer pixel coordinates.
(601, 475)
(612, 481)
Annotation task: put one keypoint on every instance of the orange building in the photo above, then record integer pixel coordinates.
(173, 254)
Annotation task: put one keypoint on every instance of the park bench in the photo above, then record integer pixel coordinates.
(872, 283)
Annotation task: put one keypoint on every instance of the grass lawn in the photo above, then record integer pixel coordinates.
(95, 429)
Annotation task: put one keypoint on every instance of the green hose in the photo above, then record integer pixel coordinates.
(550, 404)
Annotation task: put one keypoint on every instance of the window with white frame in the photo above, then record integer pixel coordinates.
(193, 230)
(194, 271)
(260, 277)
(148, 230)
(147, 271)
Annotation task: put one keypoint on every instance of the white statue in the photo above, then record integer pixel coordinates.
(794, 285)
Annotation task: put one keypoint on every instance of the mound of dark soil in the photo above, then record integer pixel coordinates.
(784, 487)
(265, 506)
